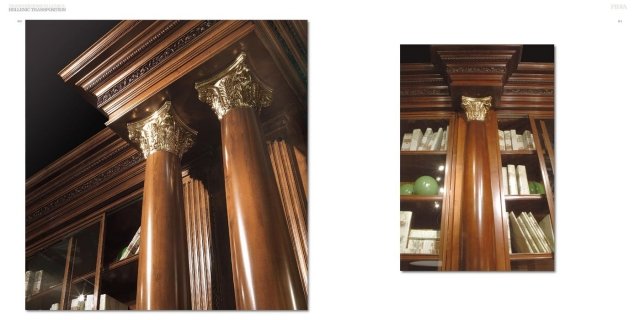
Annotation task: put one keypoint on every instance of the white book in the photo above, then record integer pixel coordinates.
(507, 140)
(425, 138)
(443, 146)
(405, 226)
(505, 181)
(77, 304)
(547, 229)
(525, 141)
(531, 227)
(527, 138)
(523, 182)
(519, 142)
(514, 139)
(406, 142)
(424, 234)
(109, 303)
(520, 241)
(513, 181)
(437, 141)
(538, 230)
(528, 235)
(501, 139)
(37, 282)
(28, 282)
(422, 246)
(416, 137)
(531, 145)
(88, 302)
(509, 235)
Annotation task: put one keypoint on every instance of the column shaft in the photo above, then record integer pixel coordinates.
(264, 267)
(478, 234)
(163, 278)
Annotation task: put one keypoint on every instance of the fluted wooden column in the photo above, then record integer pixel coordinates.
(294, 201)
(478, 230)
(163, 271)
(265, 272)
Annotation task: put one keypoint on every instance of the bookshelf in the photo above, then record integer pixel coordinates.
(537, 163)
(439, 212)
(431, 211)
(455, 88)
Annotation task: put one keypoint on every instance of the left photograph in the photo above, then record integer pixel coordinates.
(166, 165)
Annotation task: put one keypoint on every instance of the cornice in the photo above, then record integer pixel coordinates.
(175, 47)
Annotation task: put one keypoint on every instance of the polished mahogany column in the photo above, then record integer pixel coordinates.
(163, 271)
(265, 271)
(478, 234)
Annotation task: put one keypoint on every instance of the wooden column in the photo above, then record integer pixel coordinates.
(478, 230)
(196, 205)
(265, 272)
(294, 201)
(163, 271)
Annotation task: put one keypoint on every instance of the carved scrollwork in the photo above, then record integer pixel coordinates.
(235, 87)
(162, 130)
(476, 108)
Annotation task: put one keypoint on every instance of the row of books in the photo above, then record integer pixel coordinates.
(86, 302)
(510, 140)
(529, 236)
(35, 281)
(514, 180)
(417, 241)
(132, 249)
(429, 140)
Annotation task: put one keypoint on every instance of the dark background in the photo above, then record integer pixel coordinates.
(412, 53)
(57, 118)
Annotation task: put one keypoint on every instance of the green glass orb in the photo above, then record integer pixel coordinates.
(536, 187)
(533, 188)
(540, 187)
(426, 186)
(406, 189)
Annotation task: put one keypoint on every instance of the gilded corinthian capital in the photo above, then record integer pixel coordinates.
(235, 87)
(476, 108)
(162, 130)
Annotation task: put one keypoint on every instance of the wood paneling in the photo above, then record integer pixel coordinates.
(293, 200)
(197, 215)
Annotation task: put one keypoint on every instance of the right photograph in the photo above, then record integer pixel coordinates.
(477, 157)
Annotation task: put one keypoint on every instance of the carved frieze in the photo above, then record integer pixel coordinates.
(156, 61)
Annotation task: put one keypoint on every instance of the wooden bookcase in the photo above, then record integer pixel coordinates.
(471, 213)
(83, 208)
(540, 165)
(429, 212)
(439, 212)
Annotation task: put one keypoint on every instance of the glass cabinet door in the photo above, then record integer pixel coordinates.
(83, 268)
(44, 276)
